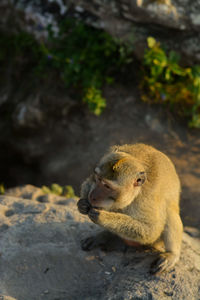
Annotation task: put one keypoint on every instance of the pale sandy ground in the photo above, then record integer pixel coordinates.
(41, 257)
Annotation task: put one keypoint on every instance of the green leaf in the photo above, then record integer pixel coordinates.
(46, 190)
(109, 80)
(68, 191)
(95, 101)
(174, 57)
(195, 122)
(151, 42)
(2, 189)
(167, 74)
(56, 189)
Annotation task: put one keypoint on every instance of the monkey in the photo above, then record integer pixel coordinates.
(134, 193)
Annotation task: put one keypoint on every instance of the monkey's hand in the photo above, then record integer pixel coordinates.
(83, 206)
(93, 214)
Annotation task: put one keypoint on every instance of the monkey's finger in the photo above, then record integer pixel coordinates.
(83, 206)
(93, 215)
(83, 209)
(161, 264)
(157, 265)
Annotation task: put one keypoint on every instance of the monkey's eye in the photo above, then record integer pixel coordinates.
(106, 185)
(97, 178)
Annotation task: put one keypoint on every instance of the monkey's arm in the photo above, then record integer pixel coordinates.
(124, 226)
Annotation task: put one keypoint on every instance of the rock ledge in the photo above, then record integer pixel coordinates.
(41, 256)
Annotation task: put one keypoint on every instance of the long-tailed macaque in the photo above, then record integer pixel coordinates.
(134, 193)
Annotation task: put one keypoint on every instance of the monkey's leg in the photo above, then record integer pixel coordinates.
(172, 239)
(106, 240)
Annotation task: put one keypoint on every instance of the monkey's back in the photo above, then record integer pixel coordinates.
(162, 178)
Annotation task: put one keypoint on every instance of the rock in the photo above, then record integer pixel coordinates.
(154, 124)
(27, 115)
(167, 21)
(175, 23)
(3, 97)
(41, 257)
(191, 231)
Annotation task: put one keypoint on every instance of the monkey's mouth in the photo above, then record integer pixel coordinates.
(97, 207)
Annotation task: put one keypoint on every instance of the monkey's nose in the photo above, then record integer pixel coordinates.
(92, 197)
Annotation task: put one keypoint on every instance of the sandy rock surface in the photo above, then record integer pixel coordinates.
(41, 257)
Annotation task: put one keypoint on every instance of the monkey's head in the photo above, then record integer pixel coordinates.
(118, 179)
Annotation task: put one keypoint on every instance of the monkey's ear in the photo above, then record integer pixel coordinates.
(140, 179)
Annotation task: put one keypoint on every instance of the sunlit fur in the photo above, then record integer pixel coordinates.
(124, 168)
(143, 211)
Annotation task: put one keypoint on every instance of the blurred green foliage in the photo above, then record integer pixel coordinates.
(165, 81)
(65, 191)
(94, 99)
(83, 57)
(2, 189)
(86, 58)
(19, 51)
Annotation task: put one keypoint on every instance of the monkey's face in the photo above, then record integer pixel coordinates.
(103, 193)
(114, 194)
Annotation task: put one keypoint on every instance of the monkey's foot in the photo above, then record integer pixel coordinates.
(165, 262)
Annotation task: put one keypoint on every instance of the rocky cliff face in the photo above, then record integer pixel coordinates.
(41, 257)
(175, 23)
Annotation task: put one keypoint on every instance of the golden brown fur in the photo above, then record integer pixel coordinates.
(135, 195)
